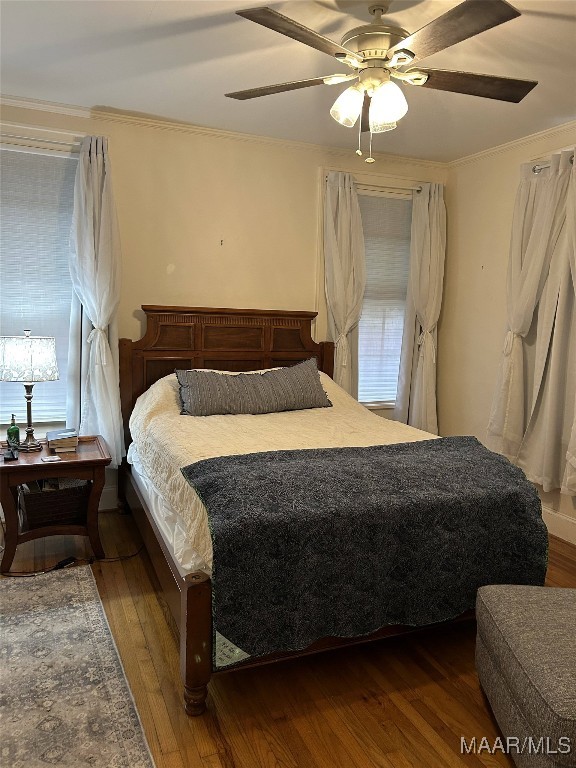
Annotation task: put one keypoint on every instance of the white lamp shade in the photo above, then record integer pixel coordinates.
(388, 105)
(28, 358)
(348, 106)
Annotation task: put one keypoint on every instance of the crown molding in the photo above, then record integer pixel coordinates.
(165, 124)
(549, 133)
(44, 106)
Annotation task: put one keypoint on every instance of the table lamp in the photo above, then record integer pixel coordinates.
(28, 359)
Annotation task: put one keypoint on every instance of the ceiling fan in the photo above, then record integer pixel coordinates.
(381, 52)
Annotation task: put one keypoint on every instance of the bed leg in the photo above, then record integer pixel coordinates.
(195, 700)
(196, 641)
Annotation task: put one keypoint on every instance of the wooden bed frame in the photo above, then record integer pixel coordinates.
(223, 339)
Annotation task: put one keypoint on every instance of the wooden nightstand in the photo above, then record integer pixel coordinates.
(87, 463)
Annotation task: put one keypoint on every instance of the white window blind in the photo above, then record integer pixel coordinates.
(386, 221)
(36, 202)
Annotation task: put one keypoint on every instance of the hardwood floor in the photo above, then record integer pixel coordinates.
(399, 703)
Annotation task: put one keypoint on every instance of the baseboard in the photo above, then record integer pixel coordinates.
(559, 525)
(109, 498)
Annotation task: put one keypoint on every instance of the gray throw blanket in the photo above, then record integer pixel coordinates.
(343, 541)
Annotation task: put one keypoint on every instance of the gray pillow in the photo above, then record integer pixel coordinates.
(206, 393)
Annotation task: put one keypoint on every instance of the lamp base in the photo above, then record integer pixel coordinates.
(30, 444)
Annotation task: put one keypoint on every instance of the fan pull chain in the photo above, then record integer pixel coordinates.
(370, 159)
(359, 150)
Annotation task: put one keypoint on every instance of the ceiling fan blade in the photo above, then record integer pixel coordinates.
(365, 117)
(254, 93)
(465, 20)
(267, 17)
(487, 86)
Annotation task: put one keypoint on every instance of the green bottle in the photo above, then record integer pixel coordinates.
(13, 432)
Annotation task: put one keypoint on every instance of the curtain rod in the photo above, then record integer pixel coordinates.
(541, 166)
(384, 186)
(388, 186)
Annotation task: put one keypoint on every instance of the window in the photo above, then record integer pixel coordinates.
(36, 203)
(386, 221)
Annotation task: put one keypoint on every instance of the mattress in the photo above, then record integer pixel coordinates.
(165, 441)
(168, 522)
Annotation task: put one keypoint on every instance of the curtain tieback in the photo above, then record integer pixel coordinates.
(509, 342)
(340, 343)
(96, 329)
(100, 337)
(422, 338)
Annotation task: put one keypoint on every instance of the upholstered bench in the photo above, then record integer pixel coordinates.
(526, 662)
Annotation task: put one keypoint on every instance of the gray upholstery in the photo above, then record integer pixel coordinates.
(526, 662)
(207, 393)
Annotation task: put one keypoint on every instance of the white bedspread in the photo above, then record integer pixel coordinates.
(167, 441)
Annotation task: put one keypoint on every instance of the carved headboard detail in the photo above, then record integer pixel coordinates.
(223, 339)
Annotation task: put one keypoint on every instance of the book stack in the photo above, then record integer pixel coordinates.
(62, 440)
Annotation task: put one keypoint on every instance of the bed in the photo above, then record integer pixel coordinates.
(168, 511)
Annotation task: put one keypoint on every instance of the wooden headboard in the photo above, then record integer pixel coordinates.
(223, 339)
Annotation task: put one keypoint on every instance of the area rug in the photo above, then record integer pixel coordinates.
(64, 697)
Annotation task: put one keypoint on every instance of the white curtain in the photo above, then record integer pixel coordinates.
(569, 480)
(345, 273)
(417, 393)
(95, 269)
(533, 428)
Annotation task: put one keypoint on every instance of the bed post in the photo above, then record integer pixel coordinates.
(196, 641)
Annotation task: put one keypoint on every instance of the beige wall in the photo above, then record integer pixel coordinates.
(218, 219)
(480, 201)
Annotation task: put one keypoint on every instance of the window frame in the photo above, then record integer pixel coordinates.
(15, 138)
(373, 190)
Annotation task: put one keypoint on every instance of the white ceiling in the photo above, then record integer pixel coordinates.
(178, 59)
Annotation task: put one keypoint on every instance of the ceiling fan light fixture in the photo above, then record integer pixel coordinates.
(380, 50)
(388, 105)
(348, 106)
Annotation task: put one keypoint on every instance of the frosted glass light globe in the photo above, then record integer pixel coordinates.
(348, 106)
(388, 105)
